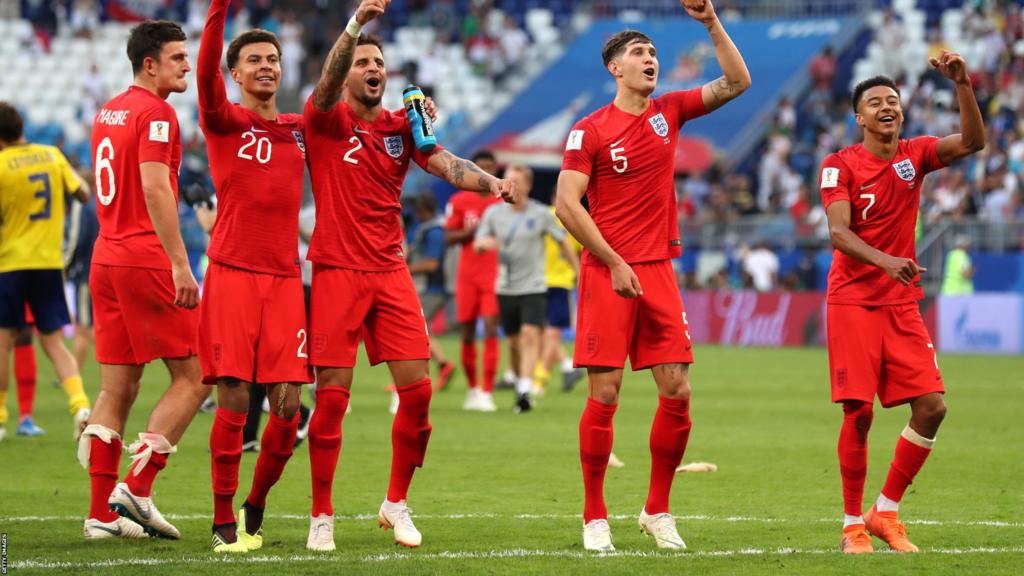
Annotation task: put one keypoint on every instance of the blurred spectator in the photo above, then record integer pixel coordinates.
(292, 51)
(94, 92)
(513, 41)
(891, 36)
(84, 18)
(823, 70)
(760, 267)
(958, 276)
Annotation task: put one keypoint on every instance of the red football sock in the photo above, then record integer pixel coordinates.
(853, 454)
(275, 450)
(104, 461)
(142, 485)
(906, 464)
(469, 362)
(409, 436)
(669, 434)
(492, 354)
(225, 455)
(25, 376)
(596, 434)
(325, 444)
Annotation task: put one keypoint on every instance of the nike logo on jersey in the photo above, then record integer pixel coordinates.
(255, 129)
(866, 186)
(361, 131)
(614, 144)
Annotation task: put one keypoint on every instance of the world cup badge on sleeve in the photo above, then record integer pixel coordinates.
(659, 124)
(905, 170)
(394, 146)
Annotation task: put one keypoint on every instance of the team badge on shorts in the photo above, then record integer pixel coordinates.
(394, 146)
(299, 140)
(905, 170)
(659, 124)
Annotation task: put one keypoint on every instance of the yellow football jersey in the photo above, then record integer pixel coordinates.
(34, 180)
(559, 271)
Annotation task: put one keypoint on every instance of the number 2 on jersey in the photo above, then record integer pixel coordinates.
(358, 146)
(44, 179)
(301, 352)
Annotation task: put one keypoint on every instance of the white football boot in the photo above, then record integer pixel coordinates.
(142, 511)
(663, 528)
(597, 536)
(321, 533)
(396, 515)
(120, 528)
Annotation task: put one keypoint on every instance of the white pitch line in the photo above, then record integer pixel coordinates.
(491, 515)
(472, 555)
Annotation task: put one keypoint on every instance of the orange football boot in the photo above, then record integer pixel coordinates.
(856, 540)
(887, 526)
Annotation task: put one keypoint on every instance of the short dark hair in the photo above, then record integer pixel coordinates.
(11, 124)
(254, 36)
(616, 45)
(426, 202)
(148, 38)
(371, 39)
(483, 154)
(860, 89)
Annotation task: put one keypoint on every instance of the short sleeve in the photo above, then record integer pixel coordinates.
(486, 228)
(67, 173)
(926, 150)
(454, 214)
(581, 148)
(422, 158)
(158, 135)
(552, 227)
(688, 104)
(834, 180)
(329, 123)
(433, 243)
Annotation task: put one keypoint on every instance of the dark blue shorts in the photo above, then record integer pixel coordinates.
(83, 302)
(42, 290)
(559, 315)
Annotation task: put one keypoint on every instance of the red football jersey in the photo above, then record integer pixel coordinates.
(631, 163)
(465, 209)
(133, 127)
(256, 165)
(357, 168)
(884, 198)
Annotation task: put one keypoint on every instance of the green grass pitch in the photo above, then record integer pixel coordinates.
(501, 493)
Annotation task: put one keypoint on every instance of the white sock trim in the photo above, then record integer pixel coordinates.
(916, 439)
(885, 504)
(85, 443)
(524, 385)
(852, 520)
(153, 443)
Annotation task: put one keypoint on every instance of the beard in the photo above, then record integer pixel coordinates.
(369, 101)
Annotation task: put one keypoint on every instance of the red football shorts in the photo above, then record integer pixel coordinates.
(135, 317)
(475, 300)
(882, 350)
(651, 329)
(380, 308)
(252, 327)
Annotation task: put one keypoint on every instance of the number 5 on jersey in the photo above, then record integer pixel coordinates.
(619, 156)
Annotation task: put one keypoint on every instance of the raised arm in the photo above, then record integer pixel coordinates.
(210, 81)
(571, 187)
(466, 175)
(735, 78)
(903, 270)
(332, 79)
(972, 128)
(163, 211)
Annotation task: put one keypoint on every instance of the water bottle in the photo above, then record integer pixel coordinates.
(422, 127)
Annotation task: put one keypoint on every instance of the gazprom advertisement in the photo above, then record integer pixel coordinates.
(982, 323)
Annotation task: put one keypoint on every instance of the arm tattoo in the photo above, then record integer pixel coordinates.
(724, 90)
(339, 61)
(455, 169)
